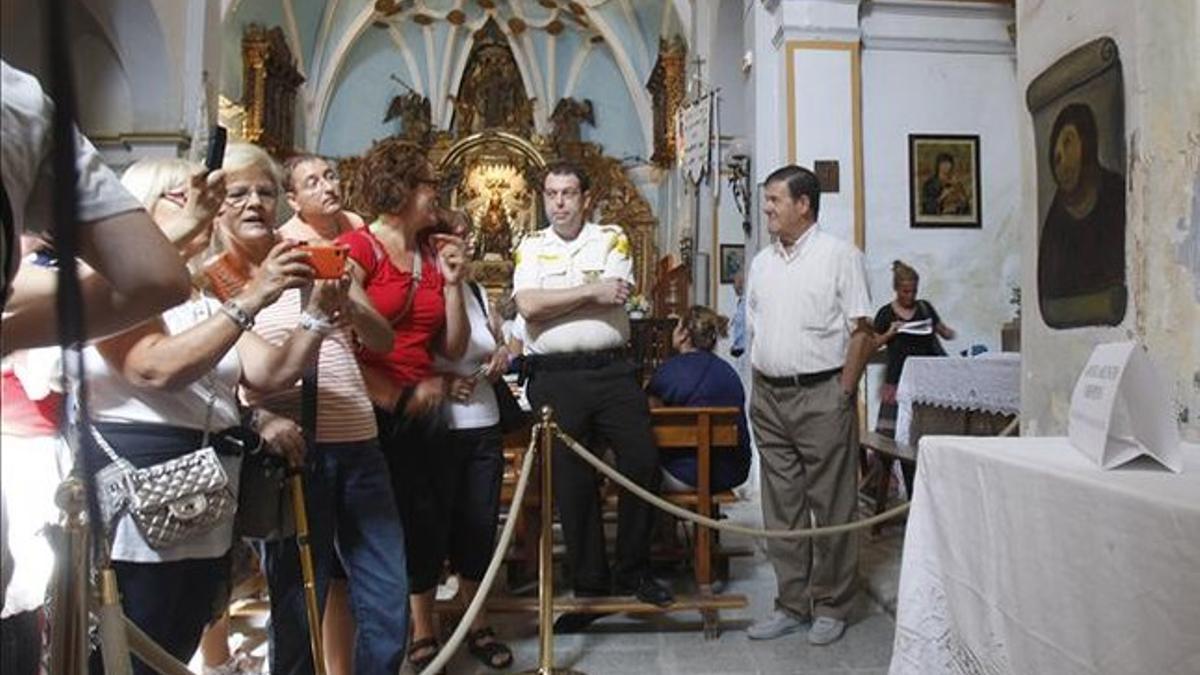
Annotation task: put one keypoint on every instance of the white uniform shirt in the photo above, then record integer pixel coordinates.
(801, 304)
(26, 133)
(547, 261)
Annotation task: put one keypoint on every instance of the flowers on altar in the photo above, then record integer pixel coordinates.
(638, 306)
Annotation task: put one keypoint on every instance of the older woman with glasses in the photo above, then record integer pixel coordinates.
(414, 278)
(169, 386)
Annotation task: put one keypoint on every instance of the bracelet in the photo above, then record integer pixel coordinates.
(238, 315)
(316, 324)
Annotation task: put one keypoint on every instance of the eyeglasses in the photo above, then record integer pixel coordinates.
(239, 196)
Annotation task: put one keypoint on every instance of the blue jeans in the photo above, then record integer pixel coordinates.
(350, 509)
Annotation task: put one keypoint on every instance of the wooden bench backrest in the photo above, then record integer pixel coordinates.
(685, 427)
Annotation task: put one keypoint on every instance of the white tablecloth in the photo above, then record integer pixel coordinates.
(988, 383)
(1021, 556)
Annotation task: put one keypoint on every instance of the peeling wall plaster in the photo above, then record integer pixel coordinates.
(1188, 251)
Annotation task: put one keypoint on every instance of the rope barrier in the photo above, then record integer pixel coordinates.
(489, 577)
(161, 661)
(154, 655)
(680, 512)
(137, 642)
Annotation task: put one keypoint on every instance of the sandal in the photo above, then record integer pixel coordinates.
(428, 645)
(482, 644)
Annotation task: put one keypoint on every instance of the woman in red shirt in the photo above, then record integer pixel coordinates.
(414, 278)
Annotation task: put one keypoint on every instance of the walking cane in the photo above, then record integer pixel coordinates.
(300, 513)
(308, 423)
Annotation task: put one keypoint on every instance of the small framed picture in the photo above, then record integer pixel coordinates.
(943, 181)
(733, 257)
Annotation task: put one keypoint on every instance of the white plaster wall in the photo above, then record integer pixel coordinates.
(966, 273)
(1159, 44)
(142, 67)
(824, 127)
(767, 93)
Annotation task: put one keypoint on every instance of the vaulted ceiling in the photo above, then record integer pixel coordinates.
(349, 51)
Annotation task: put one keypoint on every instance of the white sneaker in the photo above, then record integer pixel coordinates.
(778, 624)
(825, 630)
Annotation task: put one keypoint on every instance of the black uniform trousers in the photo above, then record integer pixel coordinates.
(600, 406)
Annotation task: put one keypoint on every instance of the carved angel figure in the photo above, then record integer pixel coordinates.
(569, 114)
(414, 113)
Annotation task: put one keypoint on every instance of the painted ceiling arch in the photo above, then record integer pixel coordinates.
(352, 52)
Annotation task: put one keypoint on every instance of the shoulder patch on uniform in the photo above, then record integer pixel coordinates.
(621, 245)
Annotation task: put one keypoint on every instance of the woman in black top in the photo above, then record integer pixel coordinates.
(909, 327)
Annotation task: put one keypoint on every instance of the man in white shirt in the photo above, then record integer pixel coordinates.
(807, 312)
(351, 507)
(571, 283)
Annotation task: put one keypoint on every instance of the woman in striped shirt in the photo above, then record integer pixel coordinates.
(351, 509)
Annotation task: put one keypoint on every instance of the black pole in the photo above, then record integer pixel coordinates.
(72, 333)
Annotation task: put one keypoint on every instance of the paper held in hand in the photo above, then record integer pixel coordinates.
(921, 327)
(1120, 410)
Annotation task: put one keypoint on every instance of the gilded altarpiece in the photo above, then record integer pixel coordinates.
(270, 81)
(492, 164)
(667, 86)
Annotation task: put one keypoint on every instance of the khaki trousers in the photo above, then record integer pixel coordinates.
(807, 438)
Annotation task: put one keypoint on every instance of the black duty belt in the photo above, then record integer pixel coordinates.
(801, 380)
(574, 360)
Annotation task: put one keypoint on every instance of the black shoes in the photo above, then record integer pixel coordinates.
(648, 591)
(575, 622)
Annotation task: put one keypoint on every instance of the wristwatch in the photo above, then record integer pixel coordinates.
(239, 316)
(319, 325)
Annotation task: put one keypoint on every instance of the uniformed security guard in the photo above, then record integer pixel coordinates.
(571, 283)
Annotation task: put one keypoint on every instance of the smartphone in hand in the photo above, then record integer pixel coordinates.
(215, 156)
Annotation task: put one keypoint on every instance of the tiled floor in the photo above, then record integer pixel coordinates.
(621, 645)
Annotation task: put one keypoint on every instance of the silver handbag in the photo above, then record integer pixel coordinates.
(171, 501)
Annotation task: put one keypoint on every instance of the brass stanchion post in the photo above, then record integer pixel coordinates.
(296, 481)
(546, 557)
(112, 625)
(68, 637)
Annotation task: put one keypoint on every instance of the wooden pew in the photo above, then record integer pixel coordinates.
(889, 452)
(706, 430)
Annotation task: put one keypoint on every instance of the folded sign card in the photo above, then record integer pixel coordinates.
(1120, 410)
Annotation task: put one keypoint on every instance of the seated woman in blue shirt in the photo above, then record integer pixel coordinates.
(697, 377)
